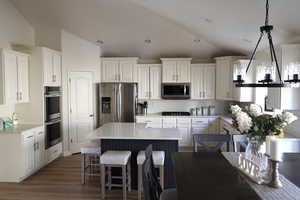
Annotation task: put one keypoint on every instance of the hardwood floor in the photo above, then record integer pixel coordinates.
(58, 181)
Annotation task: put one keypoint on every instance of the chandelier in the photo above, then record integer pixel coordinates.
(267, 81)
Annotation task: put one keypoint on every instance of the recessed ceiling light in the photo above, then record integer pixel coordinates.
(197, 41)
(208, 20)
(246, 40)
(148, 41)
(99, 42)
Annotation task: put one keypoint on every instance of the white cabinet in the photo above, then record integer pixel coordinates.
(184, 126)
(154, 122)
(51, 61)
(29, 152)
(23, 152)
(243, 94)
(203, 81)
(176, 70)
(119, 70)
(14, 77)
(149, 81)
(169, 122)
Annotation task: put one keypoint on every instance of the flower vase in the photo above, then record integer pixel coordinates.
(255, 152)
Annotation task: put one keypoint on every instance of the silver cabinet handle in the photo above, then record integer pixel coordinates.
(54, 78)
(177, 77)
(204, 95)
(17, 96)
(91, 115)
(21, 96)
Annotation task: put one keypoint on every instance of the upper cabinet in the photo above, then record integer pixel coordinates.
(203, 81)
(14, 77)
(224, 77)
(119, 70)
(51, 61)
(176, 70)
(149, 81)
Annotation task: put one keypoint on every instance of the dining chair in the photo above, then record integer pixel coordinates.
(151, 184)
(204, 139)
(239, 141)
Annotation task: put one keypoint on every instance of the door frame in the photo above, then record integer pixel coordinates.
(69, 104)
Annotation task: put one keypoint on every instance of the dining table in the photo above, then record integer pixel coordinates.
(214, 176)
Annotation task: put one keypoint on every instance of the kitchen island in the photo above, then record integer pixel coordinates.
(136, 137)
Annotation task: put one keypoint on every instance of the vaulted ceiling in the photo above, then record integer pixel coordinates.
(174, 27)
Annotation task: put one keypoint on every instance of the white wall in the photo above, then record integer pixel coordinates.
(77, 55)
(14, 30)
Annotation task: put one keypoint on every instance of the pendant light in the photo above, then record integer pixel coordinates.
(267, 81)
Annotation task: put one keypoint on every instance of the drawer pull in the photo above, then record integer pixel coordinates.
(29, 137)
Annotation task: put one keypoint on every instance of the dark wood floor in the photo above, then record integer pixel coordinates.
(58, 181)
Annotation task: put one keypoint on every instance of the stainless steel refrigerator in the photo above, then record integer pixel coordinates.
(117, 102)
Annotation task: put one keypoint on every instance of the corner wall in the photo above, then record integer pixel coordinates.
(77, 55)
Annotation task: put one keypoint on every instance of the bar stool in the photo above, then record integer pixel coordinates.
(120, 159)
(90, 162)
(158, 160)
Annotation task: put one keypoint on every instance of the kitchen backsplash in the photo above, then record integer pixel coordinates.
(6, 110)
(157, 106)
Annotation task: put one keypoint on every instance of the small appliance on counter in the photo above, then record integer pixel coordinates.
(193, 111)
(205, 110)
(142, 108)
(212, 110)
(198, 111)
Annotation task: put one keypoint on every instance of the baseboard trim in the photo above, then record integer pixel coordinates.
(67, 153)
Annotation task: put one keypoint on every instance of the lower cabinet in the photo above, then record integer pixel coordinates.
(187, 126)
(22, 153)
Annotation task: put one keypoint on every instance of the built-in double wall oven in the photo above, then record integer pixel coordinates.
(52, 116)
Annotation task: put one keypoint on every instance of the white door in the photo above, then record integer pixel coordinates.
(127, 71)
(183, 71)
(110, 71)
(48, 67)
(29, 152)
(11, 78)
(143, 84)
(155, 81)
(169, 73)
(81, 108)
(40, 159)
(57, 69)
(23, 77)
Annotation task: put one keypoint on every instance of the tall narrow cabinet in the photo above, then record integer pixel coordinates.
(149, 81)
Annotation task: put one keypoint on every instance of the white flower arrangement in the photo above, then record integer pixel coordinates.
(252, 122)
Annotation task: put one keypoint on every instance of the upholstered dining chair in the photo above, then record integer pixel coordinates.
(151, 184)
(239, 141)
(204, 139)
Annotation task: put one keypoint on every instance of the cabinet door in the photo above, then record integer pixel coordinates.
(29, 151)
(155, 81)
(196, 82)
(184, 126)
(143, 84)
(127, 69)
(40, 159)
(183, 72)
(169, 72)
(48, 67)
(110, 71)
(11, 78)
(169, 123)
(23, 78)
(224, 80)
(209, 82)
(57, 69)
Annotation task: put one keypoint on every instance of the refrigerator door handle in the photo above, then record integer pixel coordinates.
(116, 104)
(120, 103)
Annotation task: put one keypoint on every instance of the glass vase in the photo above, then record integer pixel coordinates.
(255, 152)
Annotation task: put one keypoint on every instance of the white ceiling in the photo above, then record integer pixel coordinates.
(224, 27)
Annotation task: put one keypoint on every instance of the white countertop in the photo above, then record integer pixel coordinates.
(133, 131)
(18, 129)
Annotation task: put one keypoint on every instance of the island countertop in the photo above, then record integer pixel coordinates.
(134, 131)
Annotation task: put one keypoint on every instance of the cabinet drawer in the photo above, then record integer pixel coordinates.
(200, 121)
(54, 152)
(183, 121)
(149, 120)
(169, 120)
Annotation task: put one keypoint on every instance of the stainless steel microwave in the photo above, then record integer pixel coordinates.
(175, 91)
